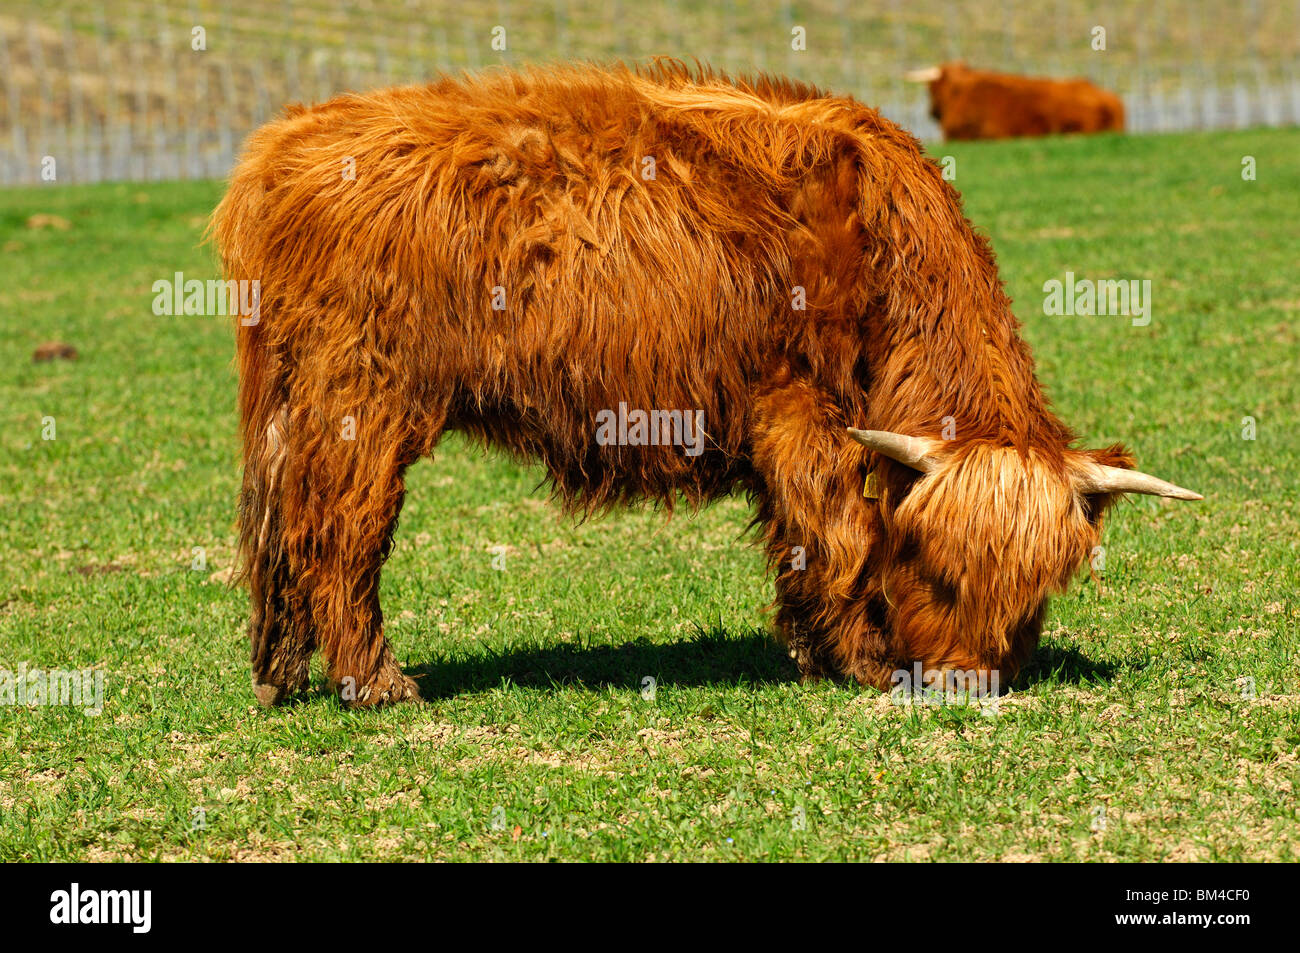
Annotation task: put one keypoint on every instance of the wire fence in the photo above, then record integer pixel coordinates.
(96, 90)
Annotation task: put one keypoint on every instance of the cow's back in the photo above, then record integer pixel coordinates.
(553, 247)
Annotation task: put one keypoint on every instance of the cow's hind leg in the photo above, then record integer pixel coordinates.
(318, 521)
(354, 495)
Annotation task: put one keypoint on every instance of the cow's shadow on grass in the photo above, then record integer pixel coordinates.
(708, 658)
(1062, 666)
(712, 657)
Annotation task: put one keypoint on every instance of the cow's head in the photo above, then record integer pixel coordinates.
(980, 538)
(942, 81)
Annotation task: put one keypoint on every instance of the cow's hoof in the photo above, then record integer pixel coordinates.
(276, 683)
(806, 660)
(386, 690)
(269, 695)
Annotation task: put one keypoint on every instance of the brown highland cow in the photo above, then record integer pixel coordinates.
(980, 104)
(520, 255)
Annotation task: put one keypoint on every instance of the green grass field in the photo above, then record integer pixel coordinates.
(1135, 736)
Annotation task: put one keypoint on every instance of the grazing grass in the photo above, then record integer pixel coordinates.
(537, 742)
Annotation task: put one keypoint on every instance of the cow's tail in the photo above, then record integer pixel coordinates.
(263, 387)
(237, 229)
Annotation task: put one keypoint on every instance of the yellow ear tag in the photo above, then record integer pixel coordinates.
(871, 488)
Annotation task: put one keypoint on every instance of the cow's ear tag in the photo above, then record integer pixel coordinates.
(871, 488)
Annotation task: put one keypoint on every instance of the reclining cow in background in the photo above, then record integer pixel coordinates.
(519, 255)
(976, 104)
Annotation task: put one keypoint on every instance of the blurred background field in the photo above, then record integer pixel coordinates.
(114, 89)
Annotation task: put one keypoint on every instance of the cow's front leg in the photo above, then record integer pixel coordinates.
(820, 533)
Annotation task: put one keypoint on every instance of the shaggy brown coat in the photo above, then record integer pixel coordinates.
(646, 236)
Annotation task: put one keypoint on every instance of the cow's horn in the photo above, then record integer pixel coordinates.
(927, 75)
(1099, 478)
(919, 453)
